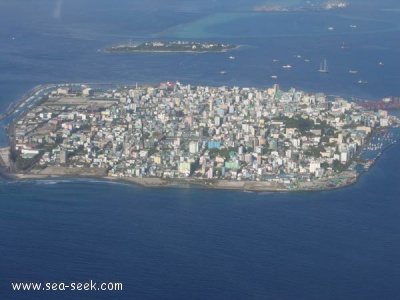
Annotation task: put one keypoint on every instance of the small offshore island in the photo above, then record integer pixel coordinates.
(307, 6)
(176, 46)
(219, 137)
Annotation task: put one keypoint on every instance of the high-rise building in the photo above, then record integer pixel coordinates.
(210, 103)
(193, 147)
(63, 156)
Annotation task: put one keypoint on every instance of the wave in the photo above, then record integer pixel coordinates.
(77, 180)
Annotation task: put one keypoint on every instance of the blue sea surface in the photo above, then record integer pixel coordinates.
(196, 243)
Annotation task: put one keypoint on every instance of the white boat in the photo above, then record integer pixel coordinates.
(330, 28)
(231, 57)
(222, 72)
(274, 76)
(362, 82)
(323, 67)
(353, 71)
(353, 26)
(381, 63)
(275, 60)
(287, 66)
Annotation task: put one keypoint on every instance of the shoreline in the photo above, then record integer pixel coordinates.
(167, 51)
(215, 184)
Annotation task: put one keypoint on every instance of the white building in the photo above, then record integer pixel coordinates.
(193, 147)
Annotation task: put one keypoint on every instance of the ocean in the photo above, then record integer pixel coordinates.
(194, 243)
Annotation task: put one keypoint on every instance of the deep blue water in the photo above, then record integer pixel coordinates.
(196, 243)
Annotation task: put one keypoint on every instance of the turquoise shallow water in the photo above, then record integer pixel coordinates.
(196, 243)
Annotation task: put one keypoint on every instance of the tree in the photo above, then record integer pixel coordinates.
(14, 154)
(324, 165)
(205, 131)
(337, 166)
(213, 153)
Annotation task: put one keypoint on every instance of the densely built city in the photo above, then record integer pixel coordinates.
(286, 140)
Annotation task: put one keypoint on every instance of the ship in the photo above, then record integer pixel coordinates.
(323, 68)
(353, 71)
(231, 57)
(287, 67)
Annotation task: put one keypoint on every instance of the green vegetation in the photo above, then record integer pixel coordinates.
(223, 152)
(152, 151)
(315, 151)
(24, 164)
(14, 154)
(303, 125)
(337, 166)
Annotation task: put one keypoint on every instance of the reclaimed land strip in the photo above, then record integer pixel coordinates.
(63, 172)
(13, 107)
(5, 157)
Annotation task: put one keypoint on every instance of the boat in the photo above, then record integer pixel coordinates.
(353, 71)
(362, 82)
(274, 76)
(323, 68)
(381, 63)
(275, 60)
(222, 72)
(353, 26)
(307, 60)
(231, 57)
(330, 28)
(287, 66)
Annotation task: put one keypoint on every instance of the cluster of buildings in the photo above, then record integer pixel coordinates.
(179, 131)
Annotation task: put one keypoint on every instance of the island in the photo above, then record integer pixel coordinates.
(174, 46)
(171, 134)
(308, 6)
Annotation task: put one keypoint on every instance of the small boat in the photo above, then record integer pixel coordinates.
(231, 57)
(222, 72)
(381, 63)
(330, 28)
(274, 76)
(287, 66)
(275, 60)
(362, 82)
(307, 60)
(353, 71)
(353, 26)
